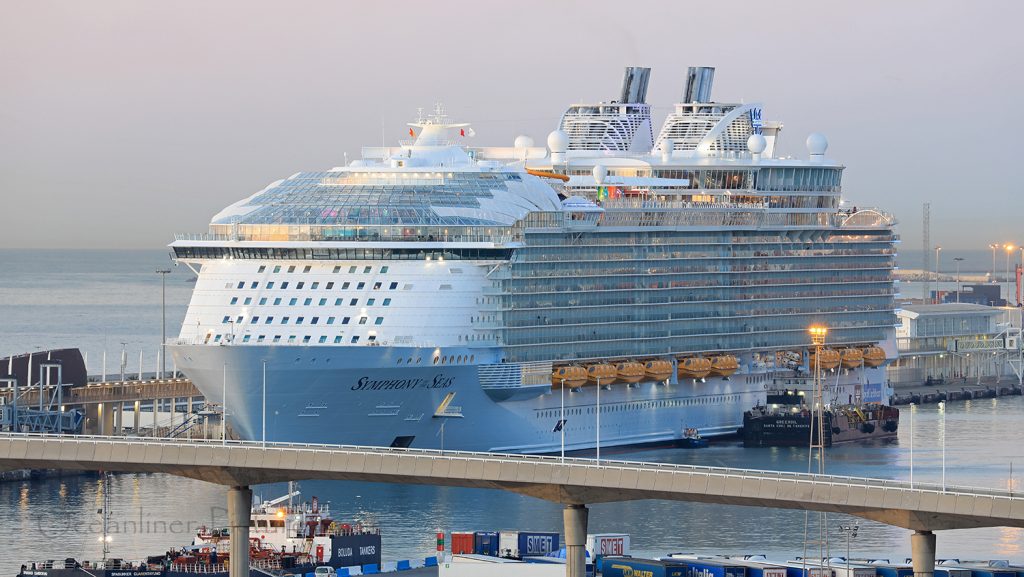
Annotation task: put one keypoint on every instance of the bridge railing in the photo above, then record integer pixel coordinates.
(718, 472)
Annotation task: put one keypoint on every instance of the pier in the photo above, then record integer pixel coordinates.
(102, 406)
(574, 483)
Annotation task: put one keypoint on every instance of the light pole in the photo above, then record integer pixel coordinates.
(265, 402)
(598, 420)
(163, 320)
(938, 249)
(942, 409)
(913, 407)
(994, 246)
(561, 420)
(958, 260)
(1009, 249)
(851, 533)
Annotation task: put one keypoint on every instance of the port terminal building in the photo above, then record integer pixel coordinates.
(946, 343)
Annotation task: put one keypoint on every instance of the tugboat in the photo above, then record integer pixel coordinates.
(283, 539)
(787, 421)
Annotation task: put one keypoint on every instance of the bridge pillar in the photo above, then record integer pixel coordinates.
(574, 518)
(119, 419)
(922, 550)
(239, 509)
(156, 407)
(106, 419)
(135, 417)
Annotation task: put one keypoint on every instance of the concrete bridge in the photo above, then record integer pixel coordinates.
(572, 482)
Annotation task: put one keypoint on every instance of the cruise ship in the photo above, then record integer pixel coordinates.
(616, 287)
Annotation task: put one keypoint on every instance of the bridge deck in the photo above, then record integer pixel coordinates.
(572, 481)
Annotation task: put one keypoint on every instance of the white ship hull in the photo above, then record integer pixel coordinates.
(345, 395)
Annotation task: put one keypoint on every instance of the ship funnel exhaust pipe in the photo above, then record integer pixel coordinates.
(634, 85)
(698, 84)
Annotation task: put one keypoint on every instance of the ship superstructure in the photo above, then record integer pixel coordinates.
(437, 294)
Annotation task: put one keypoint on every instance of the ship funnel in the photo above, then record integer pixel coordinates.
(634, 85)
(698, 84)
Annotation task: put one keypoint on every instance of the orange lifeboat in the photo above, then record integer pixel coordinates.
(602, 372)
(658, 370)
(724, 365)
(630, 372)
(851, 358)
(874, 356)
(829, 359)
(571, 375)
(694, 367)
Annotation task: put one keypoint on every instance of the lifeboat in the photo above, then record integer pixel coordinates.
(658, 370)
(631, 372)
(830, 359)
(851, 358)
(571, 375)
(874, 356)
(694, 367)
(724, 365)
(604, 372)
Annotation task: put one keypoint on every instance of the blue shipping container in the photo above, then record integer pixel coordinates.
(710, 568)
(485, 543)
(895, 570)
(633, 567)
(533, 544)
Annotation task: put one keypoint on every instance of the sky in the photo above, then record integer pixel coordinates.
(124, 122)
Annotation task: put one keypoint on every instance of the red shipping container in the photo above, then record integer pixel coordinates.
(462, 543)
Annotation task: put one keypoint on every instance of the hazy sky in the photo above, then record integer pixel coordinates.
(122, 123)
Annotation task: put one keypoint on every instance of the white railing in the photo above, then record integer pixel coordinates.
(723, 472)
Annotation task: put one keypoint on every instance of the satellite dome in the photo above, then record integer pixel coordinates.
(600, 173)
(558, 141)
(523, 141)
(817, 144)
(756, 144)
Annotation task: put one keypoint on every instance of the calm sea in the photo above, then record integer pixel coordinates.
(97, 300)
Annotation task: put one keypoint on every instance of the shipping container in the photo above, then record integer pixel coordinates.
(605, 544)
(840, 568)
(960, 572)
(713, 568)
(485, 543)
(462, 542)
(979, 570)
(886, 570)
(798, 570)
(519, 544)
(759, 569)
(633, 567)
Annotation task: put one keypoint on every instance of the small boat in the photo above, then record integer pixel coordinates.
(692, 440)
(724, 366)
(830, 359)
(694, 367)
(570, 376)
(630, 371)
(658, 370)
(851, 358)
(874, 357)
(602, 373)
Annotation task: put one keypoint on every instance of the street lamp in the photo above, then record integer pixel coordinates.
(960, 259)
(818, 334)
(942, 409)
(851, 533)
(937, 250)
(1009, 248)
(163, 320)
(994, 246)
(598, 420)
(561, 420)
(913, 407)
